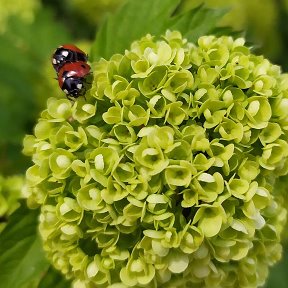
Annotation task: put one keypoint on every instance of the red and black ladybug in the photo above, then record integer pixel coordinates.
(67, 53)
(72, 78)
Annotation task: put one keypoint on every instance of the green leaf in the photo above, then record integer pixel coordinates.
(278, 277)
(25, 82)
(22, 260)
(198, 22)
(53, 279)
(24, 70)
(137, 18)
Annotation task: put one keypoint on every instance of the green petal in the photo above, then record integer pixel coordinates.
(42, 129)
(154, 82)
(68, 209)
(258, 112)
(211, 223)
(113, 115)
(89, 198)
(83, 111)
(229, 130)
(248, 169)
(238, 187)
(36, 174)
(28, 142)
(94, 135)
(113, 192)
(150, 158)
(59, 109)
(177, 262)
(270, 133)
(137, 115)
(157, 106)
(191, 240)
(208, 186)
(162, 137)
(125, 134)
(178, 175)
(175, 115)
(60, 163)
(190, 198)
(157, 204)
(105, 159)
(75, 139)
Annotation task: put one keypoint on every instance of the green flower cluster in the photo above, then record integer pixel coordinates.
(164, 177)
(10, 193)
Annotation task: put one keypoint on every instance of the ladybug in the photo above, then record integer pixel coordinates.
(72, 78)
(67, 53)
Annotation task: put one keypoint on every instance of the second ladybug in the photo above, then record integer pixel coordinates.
(72, 78)
(67, 53)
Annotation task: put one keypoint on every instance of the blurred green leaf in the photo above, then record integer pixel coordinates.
(278, 277)
(137, 18)
(198, 22)
(133, 20)
(53, 279)
(22, 260)
(25, 52)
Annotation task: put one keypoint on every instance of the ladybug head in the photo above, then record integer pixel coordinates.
(74, 87)
(72, 78)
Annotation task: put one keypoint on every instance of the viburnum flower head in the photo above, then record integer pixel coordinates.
(165, 175)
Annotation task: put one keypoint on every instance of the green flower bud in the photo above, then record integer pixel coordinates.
(60, 163)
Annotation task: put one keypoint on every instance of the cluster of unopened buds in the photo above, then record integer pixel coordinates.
(164, 176)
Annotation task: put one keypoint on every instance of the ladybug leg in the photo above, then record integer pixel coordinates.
(83, 93)
(89, 76)
(72, 99)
